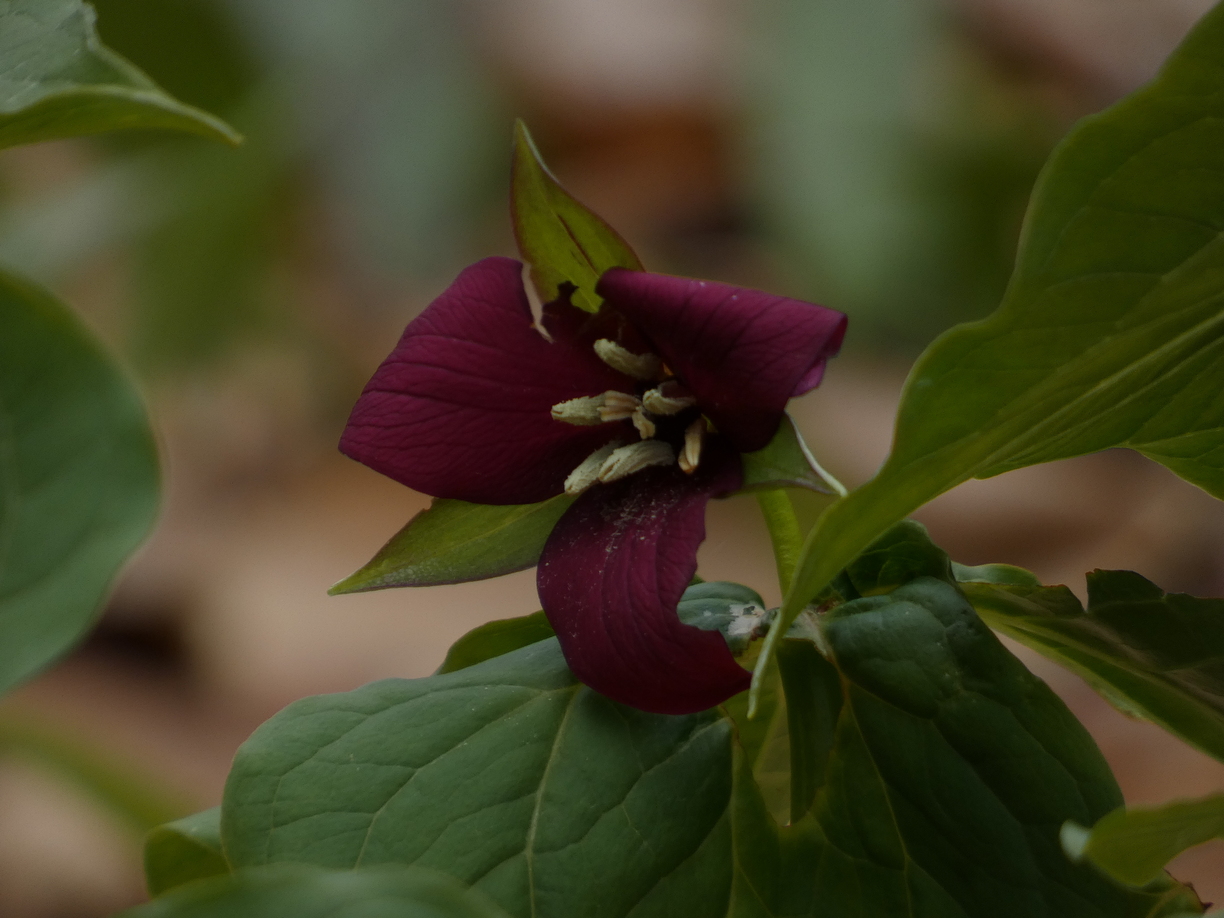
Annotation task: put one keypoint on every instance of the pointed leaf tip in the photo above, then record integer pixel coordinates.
(564, 242)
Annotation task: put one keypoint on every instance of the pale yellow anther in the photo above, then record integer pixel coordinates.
(618, 405)
(645, 426)
(583, 411)
(633, 458)
(667, 399)
(639, 366)
(587, 472)
(690, 455)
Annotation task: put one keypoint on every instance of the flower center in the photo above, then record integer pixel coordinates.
(664, 413)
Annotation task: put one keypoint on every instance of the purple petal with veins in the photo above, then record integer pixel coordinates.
(612, 573)
(461, 407)
(742, 352)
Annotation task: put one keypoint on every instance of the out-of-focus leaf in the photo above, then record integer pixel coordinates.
(1152, 654)
(191, 48)
(547, 797)
(78, 478)
(123, 789)
(184, 850)
(454, 541)
(1109, 333)
(784, 462)
(1134, 844)
(562, 240)
(949, 772)
(201, 280)
(58, 80)
(299, 891)
(493, 639)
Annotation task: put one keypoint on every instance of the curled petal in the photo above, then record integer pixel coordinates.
(462, 407)
(610, 577)
(742, 352)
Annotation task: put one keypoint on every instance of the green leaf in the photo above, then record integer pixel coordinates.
(1153, 654)
(902, 554)
(298, 891)
(784, 462)
(1109, 332)
(138, 800)
(493, 639)
(562, 240)
(78, 478)
(950, 773)
(454, 541)
(184, 850)
(508, 775)
(1133, 845)
(58, 80)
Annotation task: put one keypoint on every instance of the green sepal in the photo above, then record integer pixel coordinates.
(301, 891)
(1133, 844)
(563, 241)
(58, 80)
(454, 542)
(184, 850)
(492, 639)
(784, 462)
(78, 477)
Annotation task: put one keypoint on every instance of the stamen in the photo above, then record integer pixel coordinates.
(645, 426)
(582, 411)
(618, 405)
(639, 366)
(669, 398)
(690, 456)
(633, 458)
(587, 472)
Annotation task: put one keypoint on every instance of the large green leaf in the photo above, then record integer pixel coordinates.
(298, 891)
(1133, 845)
(1153, 654)
(950, 772)
(508, 775)
(78, 478)
(454, 541)
(562, 240)
(58, 80)
(184, 850)
(1111, 332)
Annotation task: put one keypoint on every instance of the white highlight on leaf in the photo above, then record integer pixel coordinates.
(626, 460)
(587, 472)
(694, 436)
(536, 304)
(639, 366)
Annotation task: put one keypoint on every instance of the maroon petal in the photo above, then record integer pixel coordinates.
(612, 573)
(461, 407)
(743, 353)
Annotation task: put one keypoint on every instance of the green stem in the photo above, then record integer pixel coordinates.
(784, 532)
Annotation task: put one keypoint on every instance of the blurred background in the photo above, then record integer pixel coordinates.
(871, 155)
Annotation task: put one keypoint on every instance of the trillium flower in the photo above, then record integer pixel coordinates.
(641, 410)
